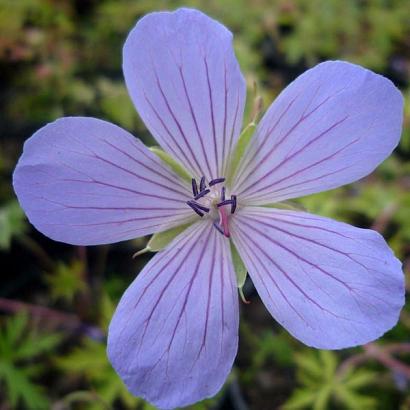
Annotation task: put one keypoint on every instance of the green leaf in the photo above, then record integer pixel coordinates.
(310, 364)
(360, 378)
(90, 361)
(172, 163)
(20, 348)
(160, 240)
(36, 344)
(67, 281)
(300, 399)
(12, 223)
(239, 266)
(329, 361)
(322, 398)
(241, 145)
(353, 400)
(20, 388)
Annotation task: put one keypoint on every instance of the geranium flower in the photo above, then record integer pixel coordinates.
(174, 335)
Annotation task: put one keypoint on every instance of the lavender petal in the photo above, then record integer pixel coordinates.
(187, 290)
(86, 182)
(333, 125)
(331, 285)
(184, 79)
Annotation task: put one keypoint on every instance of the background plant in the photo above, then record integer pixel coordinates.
(64, 58)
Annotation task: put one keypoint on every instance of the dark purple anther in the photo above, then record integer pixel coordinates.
(194, 208)
(194, 187)
(202, 193)
(226, 202)
(233, 205)
(218, 228)
(202, 185)
(216, 181)
(201, 207)
(197, 206)
(223, 194)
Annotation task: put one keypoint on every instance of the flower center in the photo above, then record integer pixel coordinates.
(212, 201)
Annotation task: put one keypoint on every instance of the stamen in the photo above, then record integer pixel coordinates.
(200, 190)
(202, 193)
(202, 185)
(233, 205)
(193, 205)
(223, 203)
(201, 207)
(216, 181)
(194, 187)
(218, 228)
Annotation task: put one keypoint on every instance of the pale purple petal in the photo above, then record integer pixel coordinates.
(333, 125)
(174, 335)
(85, 181)
(185, 81)
(331, 285)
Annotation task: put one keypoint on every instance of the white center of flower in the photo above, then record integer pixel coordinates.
(214, 202)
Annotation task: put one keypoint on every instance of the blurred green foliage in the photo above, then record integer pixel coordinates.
(21, 349)
(64, 58)
(12, 223)
(323, 388)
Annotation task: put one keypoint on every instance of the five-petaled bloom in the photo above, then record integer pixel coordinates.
(174, 335)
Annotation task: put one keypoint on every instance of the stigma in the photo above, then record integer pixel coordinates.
(212, 201)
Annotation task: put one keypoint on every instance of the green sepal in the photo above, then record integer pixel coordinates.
(172, 163)
(239, 266)
(160, 240)
(290, 205)
(240, 147)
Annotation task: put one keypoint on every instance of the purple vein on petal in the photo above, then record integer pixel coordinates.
(93, 154)
(299, 171)
(234, 126)
(93, 181)
(286, 275)
(248, 160)
(172, 278)
(299, 258)
(211, 106)
(301, 191)
(167, 187)
(287, 158)
(302, 118)
(264, 224)
(255, 271)
(191, 109)
(120, 222)
(171, 136)
(209, 293)
(224, 156)
(171, 178)
(177, 123)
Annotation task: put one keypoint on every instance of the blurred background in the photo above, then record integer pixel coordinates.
(63, 57)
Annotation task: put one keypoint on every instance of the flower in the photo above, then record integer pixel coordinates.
(174, 335)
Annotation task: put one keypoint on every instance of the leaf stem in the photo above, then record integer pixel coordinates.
(52, 316)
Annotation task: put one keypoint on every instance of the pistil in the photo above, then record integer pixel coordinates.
(223, 221)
